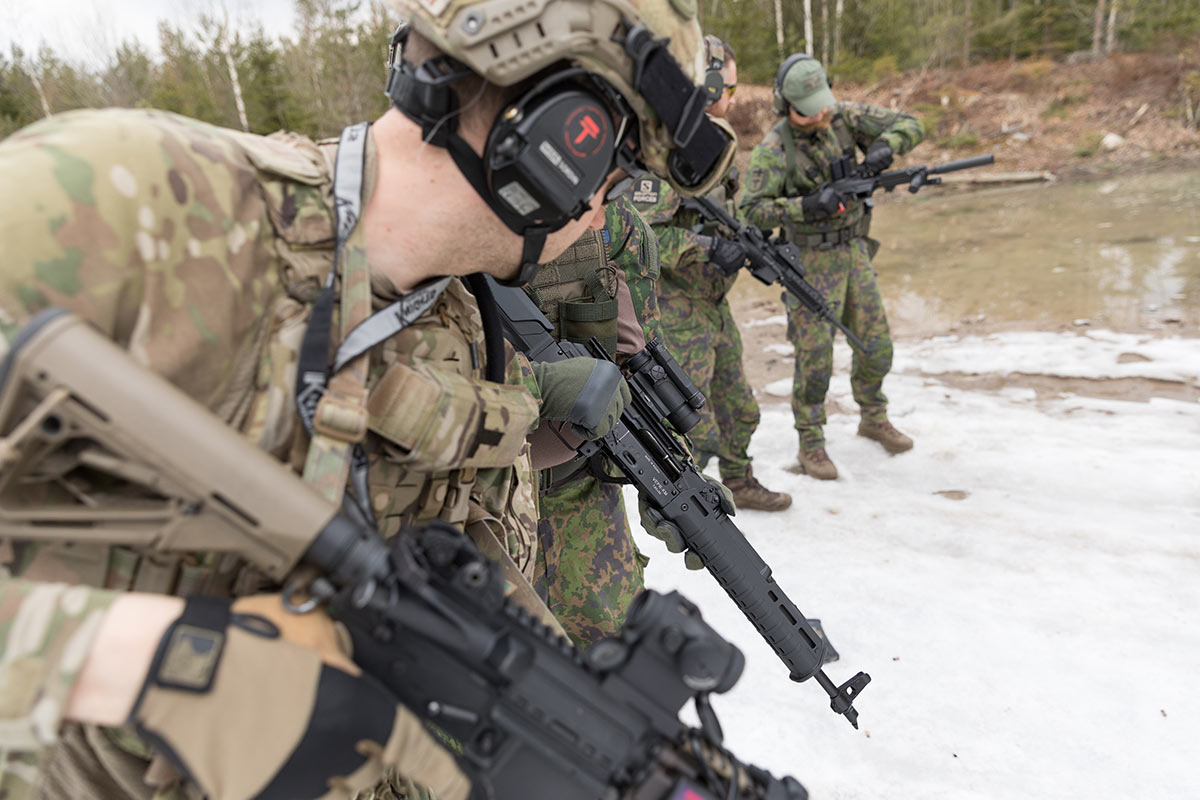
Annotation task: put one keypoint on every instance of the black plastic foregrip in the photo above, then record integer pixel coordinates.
(638, 445)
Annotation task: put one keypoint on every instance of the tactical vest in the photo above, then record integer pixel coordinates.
(803, 176)
(578, 293)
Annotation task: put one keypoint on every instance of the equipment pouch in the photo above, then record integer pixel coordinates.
(581, 320)
(438, 420)
(873, 246)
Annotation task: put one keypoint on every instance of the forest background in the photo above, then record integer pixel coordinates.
(328, 74)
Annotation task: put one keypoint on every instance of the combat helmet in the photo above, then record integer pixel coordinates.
(647, 55)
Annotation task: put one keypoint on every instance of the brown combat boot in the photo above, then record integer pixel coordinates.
(886, 434)
(815, 462)
(749, 493)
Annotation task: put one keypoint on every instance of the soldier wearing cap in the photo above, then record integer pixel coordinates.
(788, 186)
(210, 255)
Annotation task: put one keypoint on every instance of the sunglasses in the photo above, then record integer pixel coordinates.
(730, 88)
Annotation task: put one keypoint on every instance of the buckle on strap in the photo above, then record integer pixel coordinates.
(341, 418)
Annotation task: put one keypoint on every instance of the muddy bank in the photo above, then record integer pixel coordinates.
(1120, 254)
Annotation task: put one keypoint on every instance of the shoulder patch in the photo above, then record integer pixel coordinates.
(756, 181)
(646, 191)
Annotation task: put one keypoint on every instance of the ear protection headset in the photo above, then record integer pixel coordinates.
(547, 153)
(714, 81)
(778, 102)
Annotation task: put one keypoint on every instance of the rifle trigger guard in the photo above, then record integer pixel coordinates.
(294, 590)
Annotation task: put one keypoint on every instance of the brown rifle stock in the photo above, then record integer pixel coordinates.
(80, 418)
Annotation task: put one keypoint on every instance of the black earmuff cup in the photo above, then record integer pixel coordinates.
(547, 156)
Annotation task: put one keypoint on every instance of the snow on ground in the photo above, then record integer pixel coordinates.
(1023, 586)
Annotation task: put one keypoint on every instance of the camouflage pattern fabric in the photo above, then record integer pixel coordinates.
(200, 250)
(843, 274)
(590, 568)
(698, 323)
(46, 630)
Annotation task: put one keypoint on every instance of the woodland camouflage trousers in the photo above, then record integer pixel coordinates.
(705, 341)
(592, 569)
(845, 278)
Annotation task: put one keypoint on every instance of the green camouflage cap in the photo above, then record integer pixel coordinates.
(806, 87)
(506, 41)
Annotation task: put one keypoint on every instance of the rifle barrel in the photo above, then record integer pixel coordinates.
(963, 163)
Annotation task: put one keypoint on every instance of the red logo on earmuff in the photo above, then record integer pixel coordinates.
(586, 131)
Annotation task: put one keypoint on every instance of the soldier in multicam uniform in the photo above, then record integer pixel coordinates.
(699, 266)
(603, 287)
(787, 187)
(205, 260)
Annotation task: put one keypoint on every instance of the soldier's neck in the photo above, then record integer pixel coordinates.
(424, 219)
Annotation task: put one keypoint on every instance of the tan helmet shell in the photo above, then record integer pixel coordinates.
(506, 41)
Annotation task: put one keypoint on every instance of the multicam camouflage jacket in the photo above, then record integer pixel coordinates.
(200, 250)
(766, 200)
(684, 237)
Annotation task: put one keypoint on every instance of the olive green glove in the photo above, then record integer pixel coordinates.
(254, 701)
(658, 526)
(588, 393)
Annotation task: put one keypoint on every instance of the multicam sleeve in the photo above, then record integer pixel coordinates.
(869, 122)
(46, 631)
(764, 202)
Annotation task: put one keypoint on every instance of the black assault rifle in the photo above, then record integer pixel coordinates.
(653, 460)
(528, 716)
(773, 261)
(861, 187)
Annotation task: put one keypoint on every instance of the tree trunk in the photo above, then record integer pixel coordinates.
(1098, 28)
(41, 92)
(808, 29)
(837, 28)
(825, 32)
(227, 51)
(1110, 36)
(779, 27)
(966, 44)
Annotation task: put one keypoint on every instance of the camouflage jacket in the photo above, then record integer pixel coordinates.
(684, 237)
(603, 286)
(765, 201)
(200, 250)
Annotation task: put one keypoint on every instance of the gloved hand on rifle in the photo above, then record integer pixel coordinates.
(878, 157)
(588, 393)
(658, 526)
(254, 700)
(726, 255)
(822, 204)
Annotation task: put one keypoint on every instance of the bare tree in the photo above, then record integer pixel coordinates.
(808, 28)
(1098, 28)
(779, 27)
(825, 31)
(1110, 36)
(837, 28)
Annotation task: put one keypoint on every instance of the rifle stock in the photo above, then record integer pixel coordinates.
(652, 460)
(528, 716)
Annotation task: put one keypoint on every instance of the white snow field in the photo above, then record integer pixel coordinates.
(1023, 587)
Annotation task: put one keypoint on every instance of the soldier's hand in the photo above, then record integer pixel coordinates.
(588, 393)
(658, 526)
(726, 255)
(254, 700)
(823, 203)
(878, 157)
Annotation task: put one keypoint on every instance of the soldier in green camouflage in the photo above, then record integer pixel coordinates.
(787, 187)
(203, 251)
(699, 265)
(604, 286)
